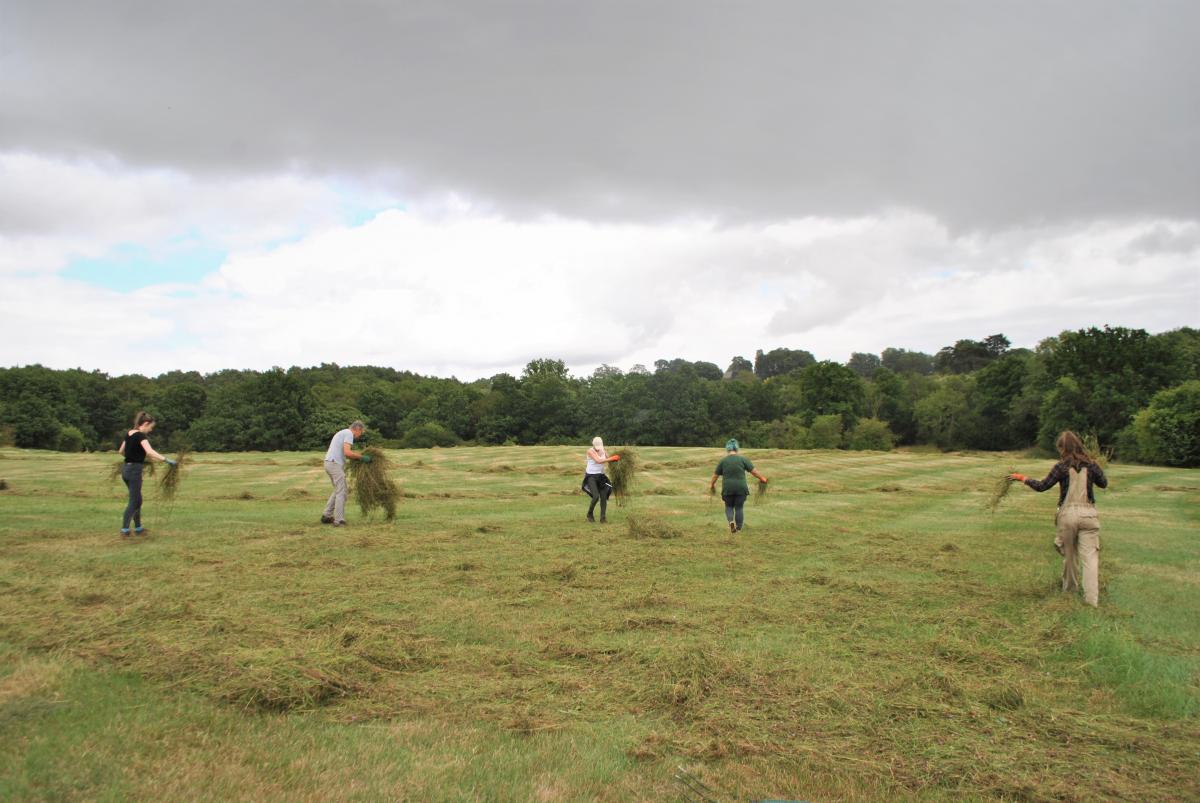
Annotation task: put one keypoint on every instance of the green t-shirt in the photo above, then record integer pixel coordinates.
(732, 470)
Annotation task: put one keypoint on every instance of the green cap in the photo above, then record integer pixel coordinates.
(731, 445)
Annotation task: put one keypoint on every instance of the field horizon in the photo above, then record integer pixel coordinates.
(874, 633)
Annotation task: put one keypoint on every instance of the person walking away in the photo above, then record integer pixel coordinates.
(595, 481)
(734, 490)
(1077, 524)
(335, 466)
(136, 448)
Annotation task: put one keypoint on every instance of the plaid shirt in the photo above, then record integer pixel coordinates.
(1060, 475)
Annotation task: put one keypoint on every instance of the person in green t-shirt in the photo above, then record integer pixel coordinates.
(734, 489)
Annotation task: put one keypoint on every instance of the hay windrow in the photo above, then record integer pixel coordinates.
(373, 488)
(645, 526)
(1000, 490)
(168, 485)
(622, 474)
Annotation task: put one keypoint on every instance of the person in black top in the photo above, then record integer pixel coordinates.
(1077, 524)
(136, 449)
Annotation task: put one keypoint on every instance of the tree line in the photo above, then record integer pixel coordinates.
(1136, 393)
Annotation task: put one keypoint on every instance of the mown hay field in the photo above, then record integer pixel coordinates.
(874, 633)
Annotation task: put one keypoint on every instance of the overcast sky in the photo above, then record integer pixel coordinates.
(458, 188)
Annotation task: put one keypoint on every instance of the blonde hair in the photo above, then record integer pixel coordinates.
(598, 443)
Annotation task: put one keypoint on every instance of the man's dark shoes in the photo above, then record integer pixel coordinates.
(732, 528)
(327, 519)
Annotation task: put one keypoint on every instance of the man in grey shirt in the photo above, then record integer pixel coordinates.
(335, 467)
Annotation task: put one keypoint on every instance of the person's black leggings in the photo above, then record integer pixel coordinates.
(132, 475)
(733, 508)
(599, 490)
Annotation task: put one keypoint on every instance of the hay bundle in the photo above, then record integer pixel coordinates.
(760, 493)
(643, 526)
(168, 484)
(1000, 490)
(621, 474)
(372, 486)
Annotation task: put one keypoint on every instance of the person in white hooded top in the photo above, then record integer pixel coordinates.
(595, 482)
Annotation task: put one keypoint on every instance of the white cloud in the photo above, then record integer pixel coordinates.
(457, 291)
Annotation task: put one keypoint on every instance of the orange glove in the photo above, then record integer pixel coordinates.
(1018, 477)
(614, 458)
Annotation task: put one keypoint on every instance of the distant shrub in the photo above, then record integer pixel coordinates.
(426, 436)
(1168, 431)
(825, 432)
(873, 435)
(70, 439)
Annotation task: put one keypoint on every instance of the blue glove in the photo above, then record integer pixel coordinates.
(170, 462)
(366, 458)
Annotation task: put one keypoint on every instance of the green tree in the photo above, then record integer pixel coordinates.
(828, 388)
(903, 361)
(1168, 431)
(1116, 372)
(944, 417)
(778, 362)
(865, 365)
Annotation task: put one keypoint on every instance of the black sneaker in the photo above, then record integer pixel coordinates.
(591, 518)
(732, 528)
(604, 520)
(327, 519)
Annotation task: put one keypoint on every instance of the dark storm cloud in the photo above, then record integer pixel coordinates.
(985, 114)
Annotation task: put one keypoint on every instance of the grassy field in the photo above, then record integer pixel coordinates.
(874, 633)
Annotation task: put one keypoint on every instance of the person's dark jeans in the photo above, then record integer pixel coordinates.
(132, 475)
(733, 508)
(599, 490)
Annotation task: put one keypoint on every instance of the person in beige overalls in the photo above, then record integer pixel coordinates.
(1078, 526)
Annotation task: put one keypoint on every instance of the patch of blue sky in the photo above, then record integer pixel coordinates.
(130, 266)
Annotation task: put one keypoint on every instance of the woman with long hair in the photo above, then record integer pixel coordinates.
(1076, 522)
(136, 448)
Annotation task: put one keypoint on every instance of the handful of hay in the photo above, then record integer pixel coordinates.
(168, 485)
(1000, 490)
(373, 488)
(760, 493)
(621, 474)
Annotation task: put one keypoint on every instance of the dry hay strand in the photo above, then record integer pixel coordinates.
(760, 493)
(1000, 490)
(373, 488)
(644, 526)
(168, 484)
(1099, 456)
(622, 473)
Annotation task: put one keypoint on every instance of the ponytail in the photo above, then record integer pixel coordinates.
(142, 417)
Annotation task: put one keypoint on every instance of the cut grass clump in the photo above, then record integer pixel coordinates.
(622, 473)
(644, 526)
(1000, 490)
(373, 488)
(760, 493)
(168, 485)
